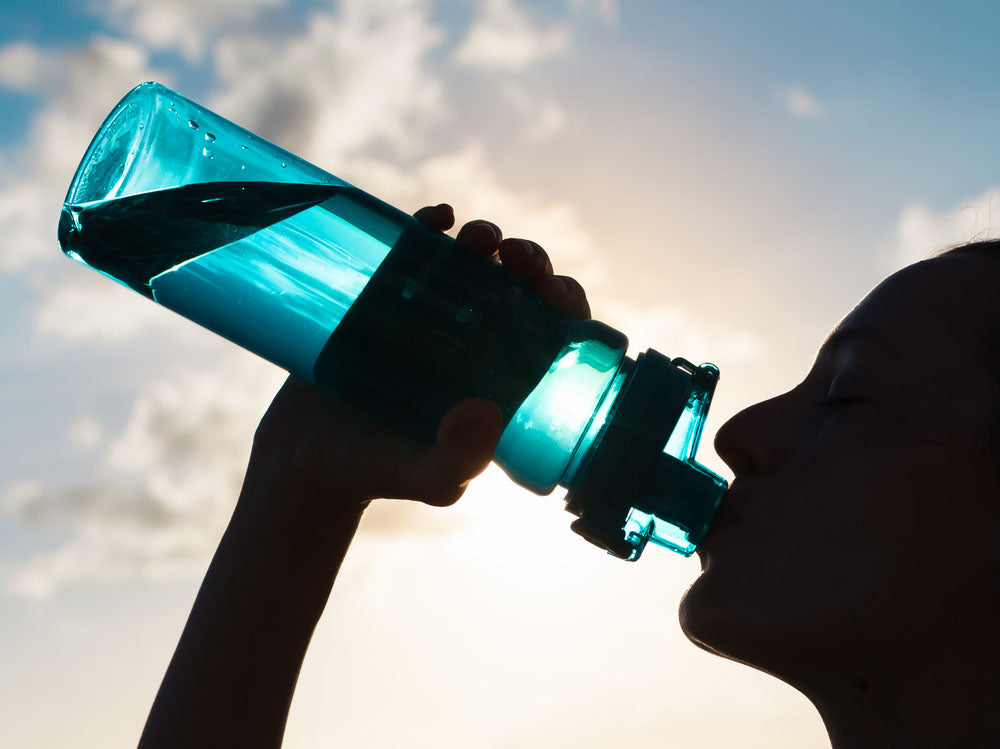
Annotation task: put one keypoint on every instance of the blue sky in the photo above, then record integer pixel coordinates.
(727, 179)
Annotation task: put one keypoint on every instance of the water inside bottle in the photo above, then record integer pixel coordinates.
(272, 266)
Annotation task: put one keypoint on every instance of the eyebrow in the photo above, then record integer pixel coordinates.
(842, 337)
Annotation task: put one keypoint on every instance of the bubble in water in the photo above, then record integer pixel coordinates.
(209, 137)
(193, 124)
(206, 152)
(242, 167)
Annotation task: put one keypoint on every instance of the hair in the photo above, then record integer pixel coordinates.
(990, 246)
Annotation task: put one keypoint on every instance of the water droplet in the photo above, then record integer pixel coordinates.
(192, 124)
(206, 152)
(209, 137)
(283, 164)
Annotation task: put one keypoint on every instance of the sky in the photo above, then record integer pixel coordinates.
(726, 179)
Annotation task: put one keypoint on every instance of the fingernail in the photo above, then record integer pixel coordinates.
(493, 229)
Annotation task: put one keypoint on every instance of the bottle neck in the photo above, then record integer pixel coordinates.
(629, 489)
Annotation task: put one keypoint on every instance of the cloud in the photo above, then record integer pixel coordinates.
(101, 312)
(542, 117)
(353, 91)
(660, 326)
(607, 10)
(85, 433)
(81, 85)
(504, 37)
(358, 77)
(467, 179)
(184, 25)
(800, 103)
(21, 65)
(162, 487)
(922, 230)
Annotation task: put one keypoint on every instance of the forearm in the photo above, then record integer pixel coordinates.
(232, 676)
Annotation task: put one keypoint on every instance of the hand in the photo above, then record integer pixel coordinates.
(320, 453)
(316, 462)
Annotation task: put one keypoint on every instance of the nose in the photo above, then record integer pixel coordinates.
(749, 443)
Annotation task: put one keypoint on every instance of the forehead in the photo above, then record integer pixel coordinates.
(939, 309)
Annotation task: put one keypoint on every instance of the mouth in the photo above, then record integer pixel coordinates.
(727, 516)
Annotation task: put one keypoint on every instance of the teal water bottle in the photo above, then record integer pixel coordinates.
(351, 294)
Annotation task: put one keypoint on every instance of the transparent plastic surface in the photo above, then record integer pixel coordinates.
(155, 139)
(230, 230)
(561, 416)
(641, 527)
(684, 440)
(296, 265)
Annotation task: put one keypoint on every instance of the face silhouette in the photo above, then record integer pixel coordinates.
(864, 517)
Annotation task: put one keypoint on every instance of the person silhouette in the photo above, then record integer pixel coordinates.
(856, 555)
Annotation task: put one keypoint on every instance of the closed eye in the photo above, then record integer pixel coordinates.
(841, 401)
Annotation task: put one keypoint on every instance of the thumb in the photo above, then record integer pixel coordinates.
(466, 440)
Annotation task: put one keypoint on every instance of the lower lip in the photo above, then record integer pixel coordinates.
(721, 527)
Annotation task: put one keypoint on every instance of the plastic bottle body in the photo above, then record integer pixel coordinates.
(224, 228)
(272, 253)
(354, 295)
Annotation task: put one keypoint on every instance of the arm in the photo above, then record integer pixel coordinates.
(315, 464)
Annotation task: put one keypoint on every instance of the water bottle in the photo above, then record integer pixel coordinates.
(353, 295)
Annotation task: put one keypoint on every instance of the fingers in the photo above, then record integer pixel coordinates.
(440, 217)
(480, 237)
(466, 440)
(522, 257)
(525, 258)
(565, 294)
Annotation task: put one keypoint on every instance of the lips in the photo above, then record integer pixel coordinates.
(729, 514)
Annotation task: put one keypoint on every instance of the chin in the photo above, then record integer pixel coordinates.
(730, 623)
(703, 619)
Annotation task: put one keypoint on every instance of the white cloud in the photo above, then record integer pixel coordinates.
(85, 433)
(607, 10)
(542, 117)
(801, 103)
(163, 486)
(99, 311)
(504, 37)
(355, 81)
(922, 230)
(467, 180)
(185, 25)
(674, 332)
(356, 78)
(20, 65)
(81, 86)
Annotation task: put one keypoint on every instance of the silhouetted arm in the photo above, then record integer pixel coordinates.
(232, 676)
(317, 461)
